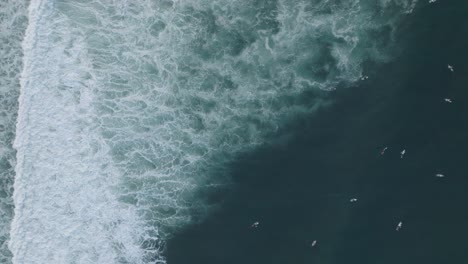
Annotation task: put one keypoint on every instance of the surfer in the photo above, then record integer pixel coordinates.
(400, 224)
(383, 151)
(353, 200)
(440, 175)
(402, 153)
(255, 225)
(313, 243)
(450, 67)
(448, 100)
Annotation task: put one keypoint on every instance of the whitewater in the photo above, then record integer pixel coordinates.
(13, 22)
(129, 110)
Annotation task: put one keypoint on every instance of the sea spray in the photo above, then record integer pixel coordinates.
(129, 110)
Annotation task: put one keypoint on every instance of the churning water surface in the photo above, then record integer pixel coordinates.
(129, 110)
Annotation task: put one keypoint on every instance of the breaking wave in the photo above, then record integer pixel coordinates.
(129, 109)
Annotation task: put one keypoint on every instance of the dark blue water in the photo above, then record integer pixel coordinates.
(299, 191)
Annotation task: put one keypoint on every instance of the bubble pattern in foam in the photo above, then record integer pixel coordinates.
(65, 211)
(203, 80)
(13, 22)
(129, 109)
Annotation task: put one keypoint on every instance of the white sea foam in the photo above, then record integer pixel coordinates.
(13, 22)
(129, 109)
(65, 211)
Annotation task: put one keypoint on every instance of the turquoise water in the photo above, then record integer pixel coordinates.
(130, 112)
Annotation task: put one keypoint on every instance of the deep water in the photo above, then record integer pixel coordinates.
(299, 189)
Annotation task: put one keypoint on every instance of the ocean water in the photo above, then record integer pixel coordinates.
(300, 191)
(13, 22)
(142, 125)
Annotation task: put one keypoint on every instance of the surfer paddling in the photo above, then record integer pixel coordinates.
(314, 243)
(402, 153)
(398, 227)
(450, 67)
(382, 152)
(255, 225)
